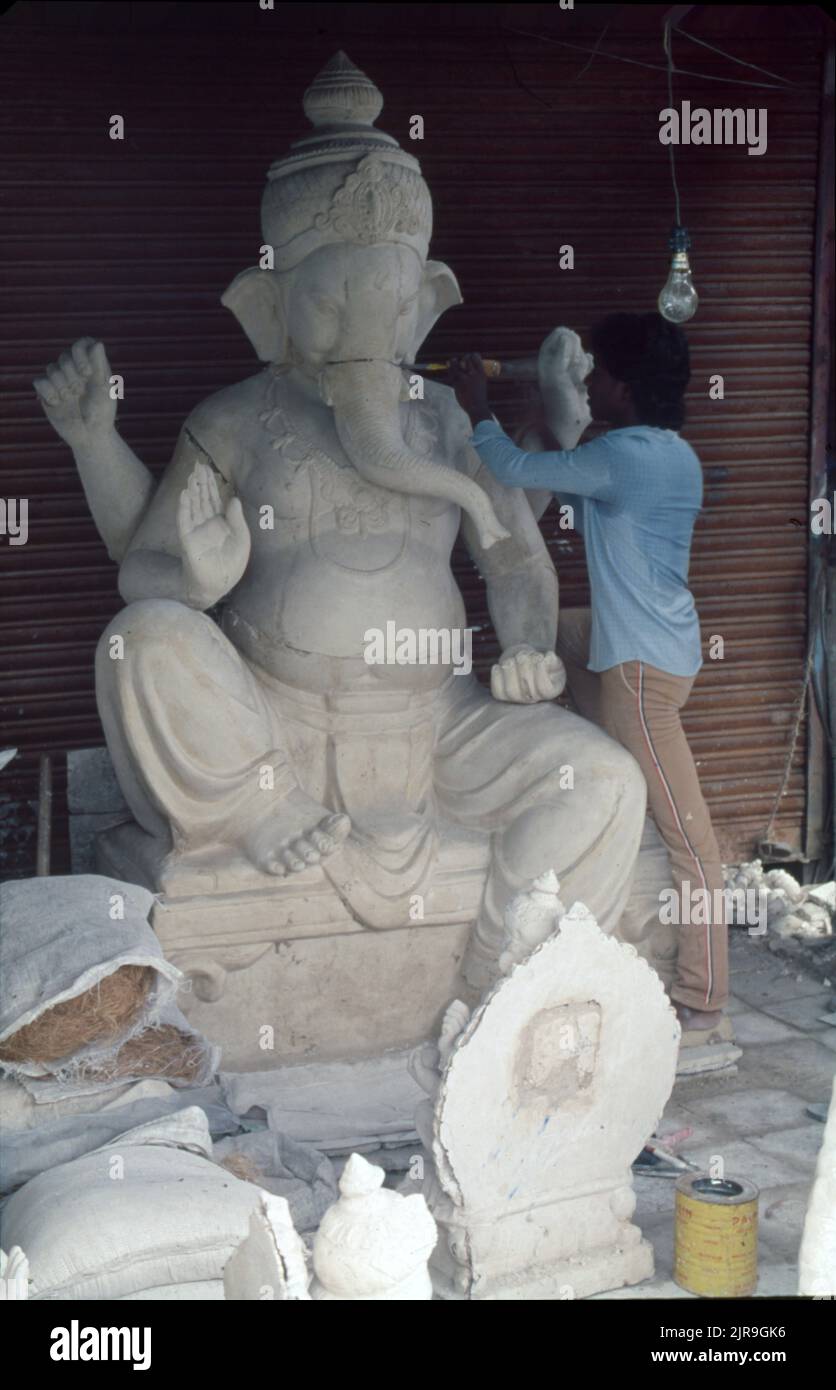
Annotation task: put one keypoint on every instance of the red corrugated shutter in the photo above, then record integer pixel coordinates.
(527, 147)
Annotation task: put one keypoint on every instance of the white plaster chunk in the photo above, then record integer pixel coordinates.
(823, 894)
(780, 880)
(14, 1274)
(373, 1244)
(270, 1262)
(791, 908)
(817, 1257)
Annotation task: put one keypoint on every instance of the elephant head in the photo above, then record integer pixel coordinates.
(349, 316)
(352, 295)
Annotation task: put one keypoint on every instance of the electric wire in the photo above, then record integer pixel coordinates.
(666, 42)
(731, 57)
(654, 67)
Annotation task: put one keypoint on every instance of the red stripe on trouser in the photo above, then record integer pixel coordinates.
(669, 795)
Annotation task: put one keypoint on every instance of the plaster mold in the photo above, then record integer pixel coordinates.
(550, 1091)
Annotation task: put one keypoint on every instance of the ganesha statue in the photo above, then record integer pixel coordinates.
(268, 764)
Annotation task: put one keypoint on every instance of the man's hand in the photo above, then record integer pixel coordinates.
(525, 676)
(75, 394)
(467, 377)
(215, 543)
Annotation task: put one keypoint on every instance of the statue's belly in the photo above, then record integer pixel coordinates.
(312, 624)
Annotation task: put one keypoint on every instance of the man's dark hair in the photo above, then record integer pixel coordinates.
(651, 355)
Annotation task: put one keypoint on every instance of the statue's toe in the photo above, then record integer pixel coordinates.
(337, 825)
(305, 850)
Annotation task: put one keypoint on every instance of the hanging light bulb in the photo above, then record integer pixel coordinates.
(678, 300)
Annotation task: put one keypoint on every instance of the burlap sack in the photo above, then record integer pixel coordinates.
(139, 1217)
(71, 938)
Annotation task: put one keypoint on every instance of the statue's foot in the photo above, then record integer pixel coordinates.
(299, 834)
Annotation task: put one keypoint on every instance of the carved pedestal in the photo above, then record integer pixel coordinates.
(286, 955)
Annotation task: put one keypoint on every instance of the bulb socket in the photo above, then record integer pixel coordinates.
(679, 239)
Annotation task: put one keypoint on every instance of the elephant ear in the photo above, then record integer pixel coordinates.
(255, 299)
(439, 291)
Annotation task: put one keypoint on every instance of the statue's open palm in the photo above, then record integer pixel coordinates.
(215, 541)
(75, 393)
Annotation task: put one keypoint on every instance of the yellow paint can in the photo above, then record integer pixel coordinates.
(716, 1236)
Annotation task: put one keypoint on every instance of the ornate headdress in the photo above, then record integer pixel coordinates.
(345, 181)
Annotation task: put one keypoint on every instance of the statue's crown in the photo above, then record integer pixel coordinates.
(345, 180)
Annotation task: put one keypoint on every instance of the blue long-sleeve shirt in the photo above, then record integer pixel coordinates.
(636, 493)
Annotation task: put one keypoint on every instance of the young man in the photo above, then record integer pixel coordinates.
(636, 492)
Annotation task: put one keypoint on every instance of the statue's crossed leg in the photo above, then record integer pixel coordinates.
(195, 742)
(192, 727)
(556, 793)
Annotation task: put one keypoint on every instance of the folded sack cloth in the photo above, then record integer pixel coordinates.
(337, 1107)
(26, 1153)
(59, 939)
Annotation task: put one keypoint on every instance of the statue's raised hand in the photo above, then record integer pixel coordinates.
(563, 368)
(215, 541)
(525, 676)
(75, 394)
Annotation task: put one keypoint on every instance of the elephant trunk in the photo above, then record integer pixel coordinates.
(365, 398)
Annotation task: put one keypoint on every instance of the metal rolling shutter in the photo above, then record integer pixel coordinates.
(134, 242)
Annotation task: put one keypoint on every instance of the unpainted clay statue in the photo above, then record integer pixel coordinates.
(373, 1245)
(817, 1257)
(315, 501)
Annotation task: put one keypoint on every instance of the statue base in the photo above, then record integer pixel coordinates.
(591, 1271)
(279, 970)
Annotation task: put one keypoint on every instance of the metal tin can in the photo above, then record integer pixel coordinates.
(716, 1236)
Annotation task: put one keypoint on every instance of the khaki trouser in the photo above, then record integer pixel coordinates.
(640, 706)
